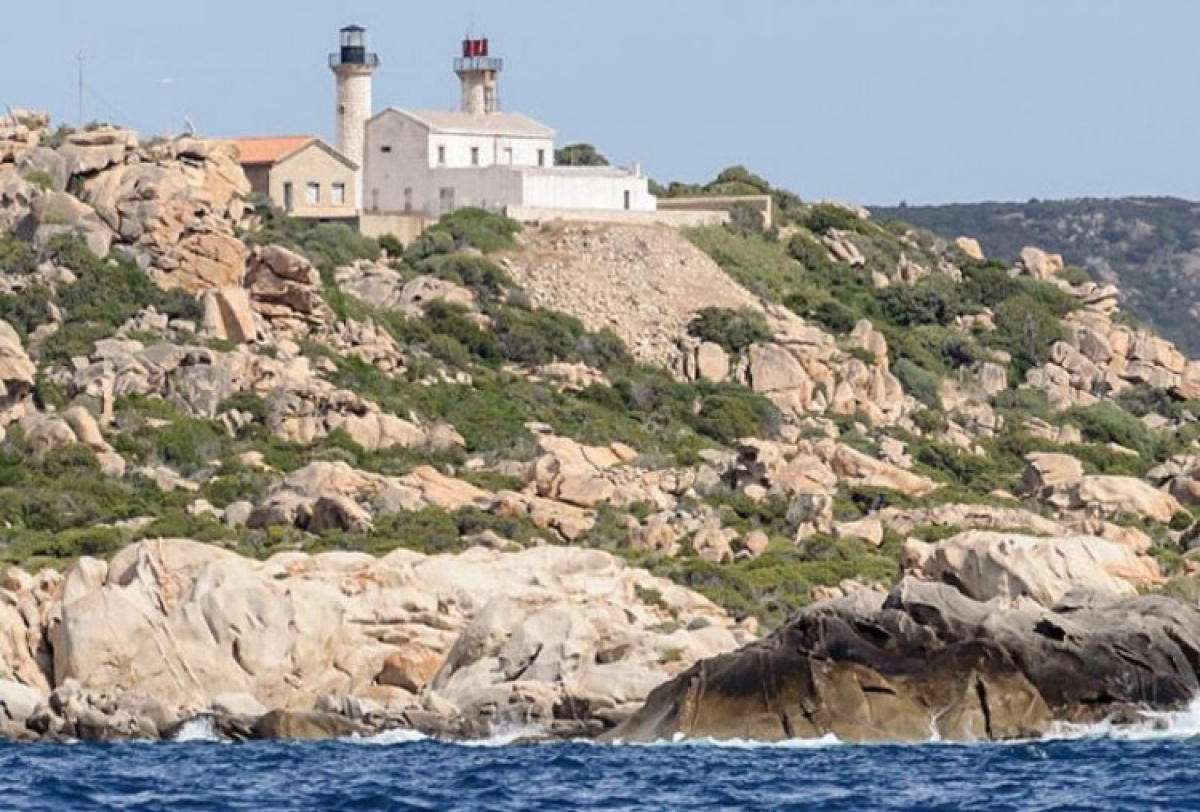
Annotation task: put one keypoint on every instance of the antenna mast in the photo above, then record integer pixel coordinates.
(80, 57)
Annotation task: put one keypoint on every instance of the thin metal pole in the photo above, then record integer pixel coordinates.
(81, 90)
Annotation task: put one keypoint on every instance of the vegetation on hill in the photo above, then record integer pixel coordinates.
(480, 363)
(1148, 247)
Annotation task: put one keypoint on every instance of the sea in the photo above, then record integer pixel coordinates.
(1099, 768)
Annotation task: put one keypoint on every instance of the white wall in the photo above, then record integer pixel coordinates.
(581, 188)
(492, 188)
(493, 150)
(387, 174)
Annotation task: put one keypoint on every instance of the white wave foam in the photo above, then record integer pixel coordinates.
(1183, 724)
(200, 729)
(828, 740)
(390, 737)
(505, 735)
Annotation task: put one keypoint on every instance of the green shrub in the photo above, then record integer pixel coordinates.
(746, 219)
(326, 245)
(1027, 330)
(777, 583)
(189, 444)
(16, 255)
(948, 463)
(1143, 399)
(27, 310)
(930, 420)
(478, 273)
(113, 291)
(733, 413)
(40, 178)
(1024, 403)
(71, 251)
(833, 315)
(248, 402)
(922, 384)
(1109, 423)
(468, 228)
(1074, 275)
(733, 330)
(579, 155)
(809, 252)
(740, 176)
(933, 300)
(825, 217)
(454, 322)
(392, 245)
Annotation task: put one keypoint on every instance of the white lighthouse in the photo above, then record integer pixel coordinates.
(354, 67)
(480, 75)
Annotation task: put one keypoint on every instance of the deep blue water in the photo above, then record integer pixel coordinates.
(1089, 774)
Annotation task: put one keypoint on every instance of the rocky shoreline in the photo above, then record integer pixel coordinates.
(575, 644)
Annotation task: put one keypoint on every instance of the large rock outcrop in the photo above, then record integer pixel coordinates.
(925, 661)
(450, 642)
(986, 565)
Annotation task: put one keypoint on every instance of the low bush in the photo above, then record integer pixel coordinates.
(465, 228)
(919, 382)
(733, 330)
(825, 217)
(480, 274)
(733, 413)
(16, 255)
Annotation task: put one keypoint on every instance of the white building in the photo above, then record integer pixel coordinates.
(426, 162)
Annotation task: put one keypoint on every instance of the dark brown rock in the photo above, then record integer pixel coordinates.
(925, 661)
(280, 724)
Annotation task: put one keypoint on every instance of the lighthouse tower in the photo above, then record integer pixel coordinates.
(353, 66)
(480, 76)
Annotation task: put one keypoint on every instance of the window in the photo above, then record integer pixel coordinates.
(338, 194)
(541, 157)
(312, 193)
(288, 196)
(441, 155)
(628, 200)
(408, 203)
(508, 156)
(386, 148)
(474, 156)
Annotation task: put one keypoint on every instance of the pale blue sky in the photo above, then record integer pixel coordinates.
(871, 101)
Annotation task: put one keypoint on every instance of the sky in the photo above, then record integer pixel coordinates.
(865, 101)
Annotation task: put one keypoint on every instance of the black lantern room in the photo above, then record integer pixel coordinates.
(353, 49)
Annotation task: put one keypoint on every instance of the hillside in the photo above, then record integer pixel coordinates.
(528, 473)
(1149, 247)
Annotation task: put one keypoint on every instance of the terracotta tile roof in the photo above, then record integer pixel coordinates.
(269, 149)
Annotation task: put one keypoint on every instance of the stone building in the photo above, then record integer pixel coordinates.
(301, 174)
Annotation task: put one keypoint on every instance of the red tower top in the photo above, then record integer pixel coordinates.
(474, 47)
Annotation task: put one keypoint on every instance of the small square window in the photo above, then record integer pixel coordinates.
(338, 194)
(312, 194)
(386, 148)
